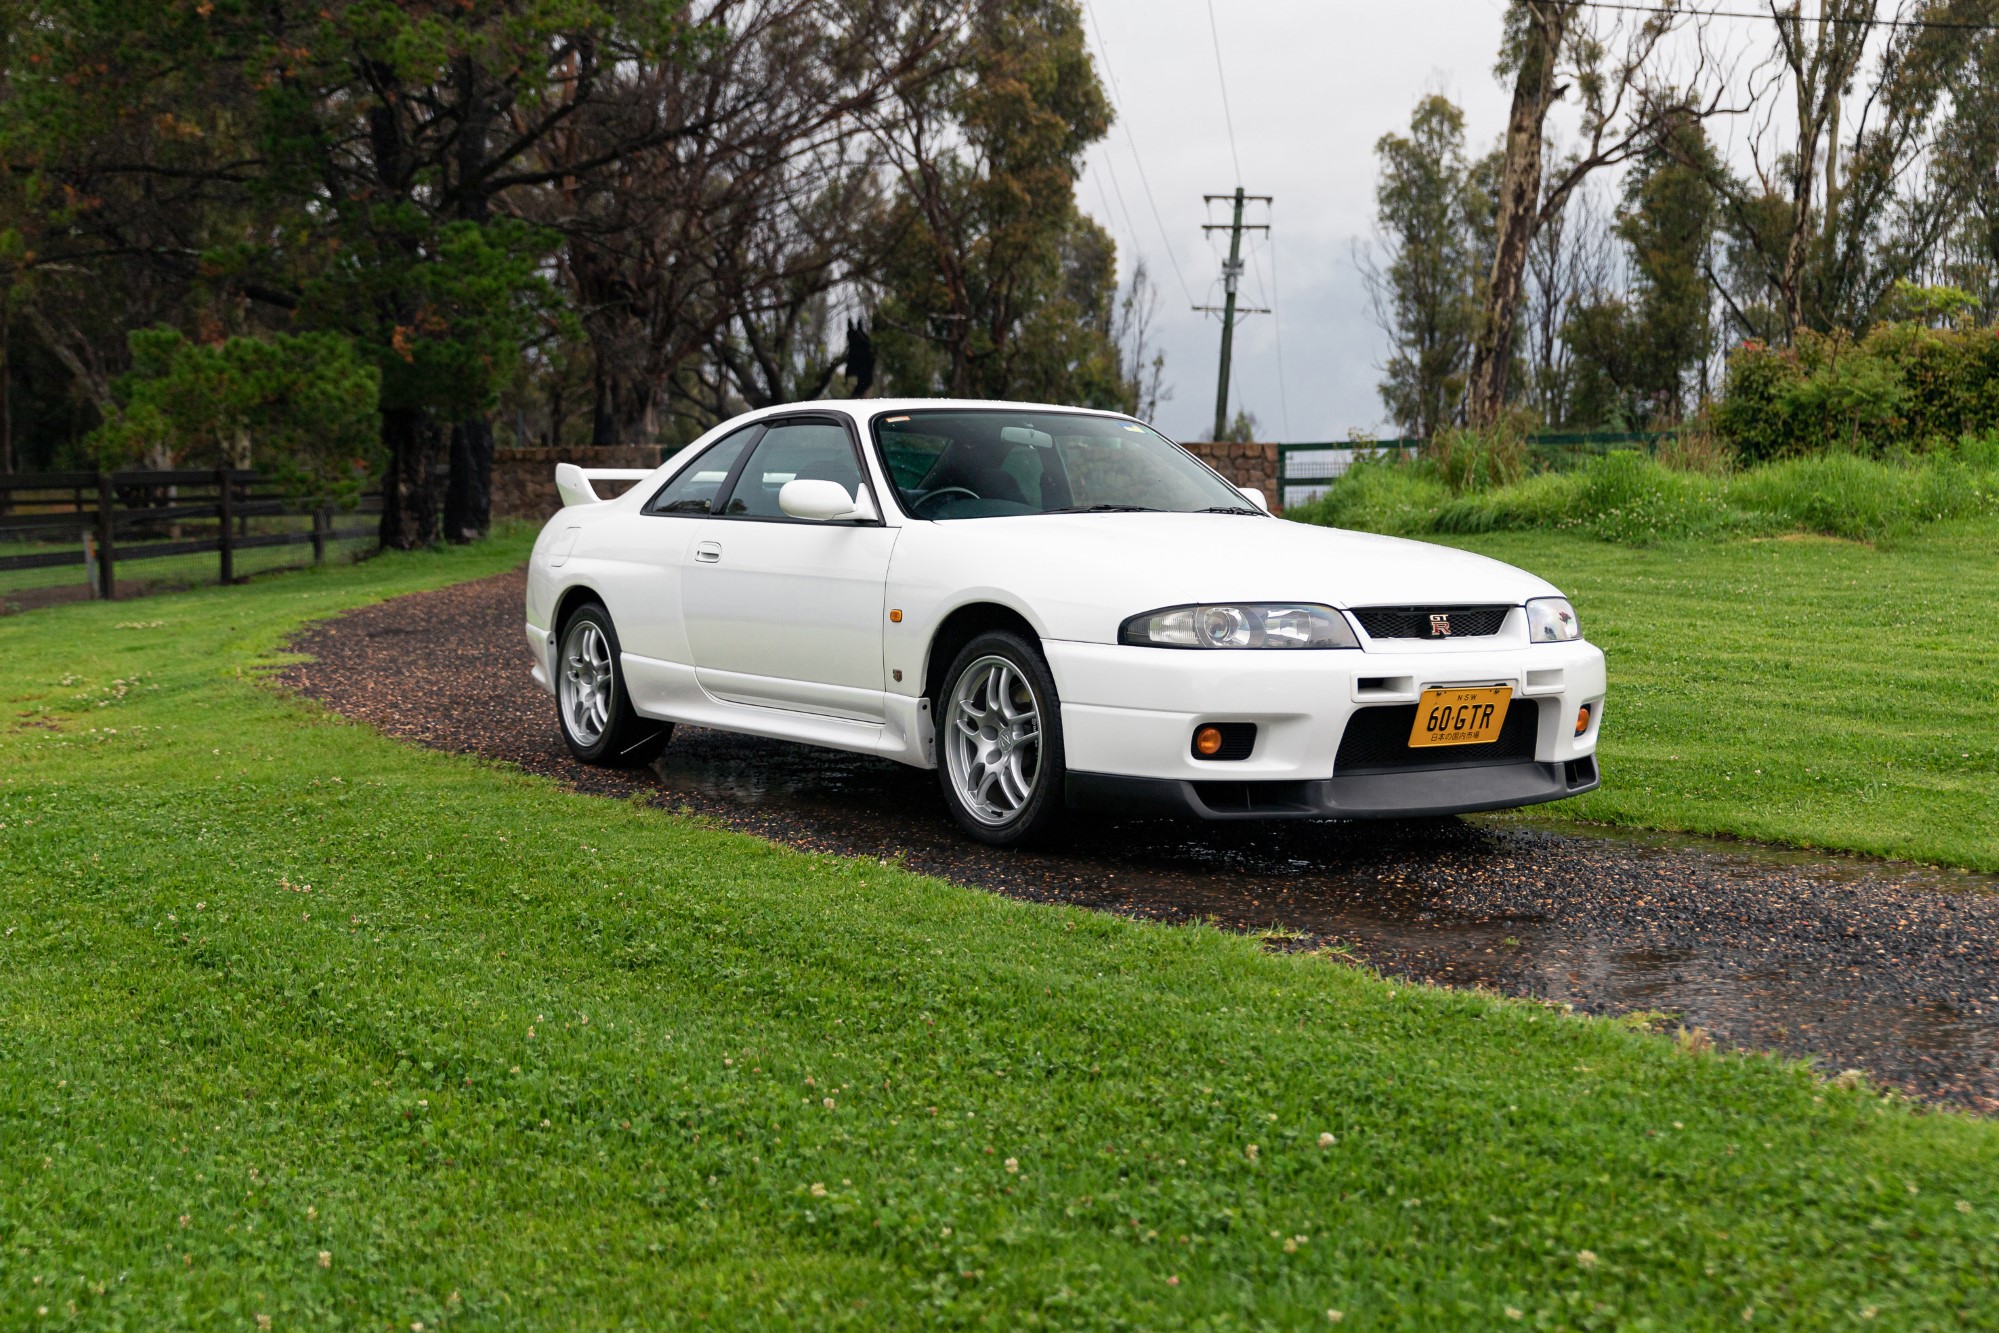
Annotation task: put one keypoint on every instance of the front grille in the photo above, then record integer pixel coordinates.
(1414, 622)
(1377, 741)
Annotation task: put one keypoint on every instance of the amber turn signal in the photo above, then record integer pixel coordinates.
(1208, 740)
(895, 615)
(1582, 719)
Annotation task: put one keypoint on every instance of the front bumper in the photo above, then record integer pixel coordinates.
(1409, 794)
(1129, 714)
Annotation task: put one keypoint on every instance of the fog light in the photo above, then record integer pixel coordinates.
(1582, 719)
(1208, 741)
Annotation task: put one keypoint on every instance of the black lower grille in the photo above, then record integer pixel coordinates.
(1422, 622)
(1377, 741)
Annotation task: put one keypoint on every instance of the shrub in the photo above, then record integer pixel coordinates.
(1697, 449)
(1621, 497)
(1904, 387)
(1468, 460)
(1378, 495)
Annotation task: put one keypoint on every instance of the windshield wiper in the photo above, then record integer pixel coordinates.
(1103, 509)
(1233, 509)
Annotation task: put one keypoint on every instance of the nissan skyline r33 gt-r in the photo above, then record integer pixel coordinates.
(1056, 609)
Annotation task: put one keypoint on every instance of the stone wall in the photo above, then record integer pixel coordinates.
(524, 479)
(1251, 465)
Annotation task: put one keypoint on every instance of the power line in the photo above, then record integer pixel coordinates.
(1870, 22)
(1276, 322)
(1118, 190)
(1131, 141)
(1215, 33)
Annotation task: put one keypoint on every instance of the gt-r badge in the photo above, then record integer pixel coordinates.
(1440, 627)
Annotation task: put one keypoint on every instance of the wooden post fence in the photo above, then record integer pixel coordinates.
(107, 576)
(225, 511)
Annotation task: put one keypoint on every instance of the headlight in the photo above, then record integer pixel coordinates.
(1552, 620)
(1240, 625)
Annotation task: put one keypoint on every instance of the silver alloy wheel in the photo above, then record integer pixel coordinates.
(992, 739)
(585, 685)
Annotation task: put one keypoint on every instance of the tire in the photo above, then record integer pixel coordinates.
(591, 705)
(997, 698)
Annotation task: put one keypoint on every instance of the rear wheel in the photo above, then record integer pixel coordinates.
(598, 723)
(999, 741)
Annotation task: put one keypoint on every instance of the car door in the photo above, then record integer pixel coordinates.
(783, 612)
(655, 544)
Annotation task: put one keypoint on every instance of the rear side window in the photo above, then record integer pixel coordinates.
(798, 451)
(694, 488)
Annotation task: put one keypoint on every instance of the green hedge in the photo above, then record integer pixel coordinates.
(1901, 387)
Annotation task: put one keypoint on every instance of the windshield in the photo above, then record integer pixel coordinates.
(988, 464)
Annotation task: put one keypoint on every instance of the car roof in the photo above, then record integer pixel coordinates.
(863, 408)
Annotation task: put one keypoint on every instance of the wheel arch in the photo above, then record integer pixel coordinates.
(575, 595)
(959, 628)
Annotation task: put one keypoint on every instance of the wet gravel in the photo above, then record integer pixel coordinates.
(1884, 967)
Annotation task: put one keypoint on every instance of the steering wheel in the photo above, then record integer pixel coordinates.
(943, 493)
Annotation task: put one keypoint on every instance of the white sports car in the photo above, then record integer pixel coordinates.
(1056, 609)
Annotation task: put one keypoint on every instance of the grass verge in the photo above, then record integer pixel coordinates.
(1799, 690)
(306, 1027)
(1628, 499)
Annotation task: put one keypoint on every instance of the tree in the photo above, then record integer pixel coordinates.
(1820, 228)
(1624, 101)
(1428, 209)
(301, 408)
(366, 168)
(709, 270)
(1142, 366)
(1570, 262)
(998, 286)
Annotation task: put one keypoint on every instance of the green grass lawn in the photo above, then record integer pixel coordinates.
(301, 1024)
(1800, 690)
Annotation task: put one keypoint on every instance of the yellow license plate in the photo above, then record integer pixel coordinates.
(1460, 717)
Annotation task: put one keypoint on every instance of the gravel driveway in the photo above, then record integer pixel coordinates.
(1858, 964)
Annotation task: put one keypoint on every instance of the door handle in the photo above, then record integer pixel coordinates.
(708, 553)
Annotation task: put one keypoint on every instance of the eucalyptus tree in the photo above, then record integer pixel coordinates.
(1627, 92)
(998, 285)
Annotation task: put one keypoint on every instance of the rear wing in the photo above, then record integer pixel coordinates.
(574, 482)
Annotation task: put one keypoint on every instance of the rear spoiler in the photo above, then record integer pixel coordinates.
(574, 482)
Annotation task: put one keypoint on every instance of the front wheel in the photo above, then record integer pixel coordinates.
(999, 739)
(598, 722)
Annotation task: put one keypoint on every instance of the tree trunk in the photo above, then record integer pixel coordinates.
(1519, 207)
(409, 490)
(468, 493)
(604, 409)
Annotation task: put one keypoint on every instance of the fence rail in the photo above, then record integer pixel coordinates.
(100, 521)
(1307, 471)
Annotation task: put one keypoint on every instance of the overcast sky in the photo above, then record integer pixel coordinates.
(1312, 84)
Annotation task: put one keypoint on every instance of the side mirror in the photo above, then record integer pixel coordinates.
(1255, 497)
(823, 502)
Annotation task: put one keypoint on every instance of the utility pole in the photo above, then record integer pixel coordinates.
(1231, 275)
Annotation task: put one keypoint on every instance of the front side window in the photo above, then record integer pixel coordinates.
(794, 451)
(992, 463)
(694, 488)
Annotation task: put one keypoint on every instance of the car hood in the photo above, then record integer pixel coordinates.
(1084, 573)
